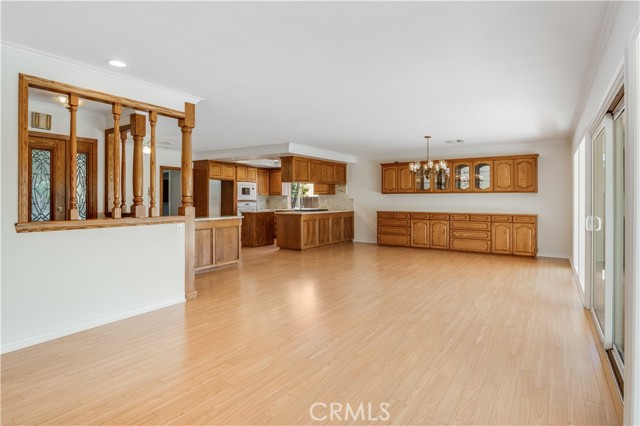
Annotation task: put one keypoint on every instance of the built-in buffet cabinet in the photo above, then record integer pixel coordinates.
(482, 233)
(496, 174)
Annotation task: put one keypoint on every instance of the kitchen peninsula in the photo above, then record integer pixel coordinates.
(217, 242)
(299, 230)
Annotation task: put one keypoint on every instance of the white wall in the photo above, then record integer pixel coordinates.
(552, 203)
(55, 283)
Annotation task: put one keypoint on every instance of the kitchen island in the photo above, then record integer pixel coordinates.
(300, 230)
(257, 228)
(217, 242)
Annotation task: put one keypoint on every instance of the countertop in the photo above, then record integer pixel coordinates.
(199, 219)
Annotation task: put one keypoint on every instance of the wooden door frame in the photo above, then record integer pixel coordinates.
(161, 193)
(85, 145)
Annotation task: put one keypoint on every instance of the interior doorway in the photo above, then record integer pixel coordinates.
(170, 190)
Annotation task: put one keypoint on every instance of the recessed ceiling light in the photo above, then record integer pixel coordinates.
(116, 63)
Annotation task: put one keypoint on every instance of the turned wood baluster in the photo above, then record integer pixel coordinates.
(138, 131)
(123, 175)
(116, 212)
(187, 124)
(153, 210)
(73, 150)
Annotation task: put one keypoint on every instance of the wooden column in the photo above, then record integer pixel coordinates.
(123, 175)
(138, 131)
(73, 160)
(153, 210)
(186, 209)
(116, 212)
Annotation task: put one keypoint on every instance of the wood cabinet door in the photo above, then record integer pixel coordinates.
(337, 229)
(315, 171)
(482, 176)
(406, 179)
(301, 170)
(263, 182)
(241, 173)
(501, 238)
(328, 173)
(389, 179)
(341, 174)
(348, 228)
(439, 234)
(525, 175)
(420, 233)
(228, 172)
(324, 189)
(252, 174)
(215, 171)
(275, 182)
(524, 239)
(503, 175)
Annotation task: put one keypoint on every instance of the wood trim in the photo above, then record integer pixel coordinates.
(161, 191)
(66, 225)
(33, 134)
(23, 149)
(94, 95)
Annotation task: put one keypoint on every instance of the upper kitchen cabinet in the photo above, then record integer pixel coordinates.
(525, 175)
(275, 182)
(462, 176)
(222, 171)
(482, 176)
(299, 169)
(246, 174)
(518, 173)
(263, 182)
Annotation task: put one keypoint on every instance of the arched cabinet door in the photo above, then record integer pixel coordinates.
(462, 176)
(483, 176)
(503, 176)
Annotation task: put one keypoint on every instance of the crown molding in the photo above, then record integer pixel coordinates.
(45, 57)
(595, 59)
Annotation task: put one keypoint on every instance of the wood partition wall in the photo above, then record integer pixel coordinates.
(116, 196)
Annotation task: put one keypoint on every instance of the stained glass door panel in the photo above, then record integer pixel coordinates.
(41, 185)
(81, 185)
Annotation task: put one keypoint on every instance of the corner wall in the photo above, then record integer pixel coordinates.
(552, 203)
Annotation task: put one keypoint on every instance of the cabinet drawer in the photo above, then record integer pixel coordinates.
(459, 217)
(439, 216)
(419, 215)
(393, 240)
(480, 218)
(524, 219)
(393, 222)
(502, 218)
(483, 226)
(385, 214)
(398, 230)
(402, 215)
(481, 246)
(477, 235)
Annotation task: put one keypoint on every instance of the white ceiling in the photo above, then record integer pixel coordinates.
(359, 78)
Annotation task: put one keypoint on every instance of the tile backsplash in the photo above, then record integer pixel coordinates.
(339, 201)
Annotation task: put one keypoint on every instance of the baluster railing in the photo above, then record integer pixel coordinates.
(153, 210)
(123, 175)
(73, 159)
(116, 212)
(138, 131)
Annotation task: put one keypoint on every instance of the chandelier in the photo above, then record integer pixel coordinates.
(439, 170)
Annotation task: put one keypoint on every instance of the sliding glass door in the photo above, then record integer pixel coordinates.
(619, 222)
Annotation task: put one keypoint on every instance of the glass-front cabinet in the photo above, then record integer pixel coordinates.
(462, 177)
(482, 171)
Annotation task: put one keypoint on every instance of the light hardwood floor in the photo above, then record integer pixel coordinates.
(443, 337)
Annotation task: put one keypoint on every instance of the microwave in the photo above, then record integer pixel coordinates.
(247, 191)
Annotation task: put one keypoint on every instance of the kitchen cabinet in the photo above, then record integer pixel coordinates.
(503, 176)
(252, 174)
(474, 232)
(257, 229)
(324, 189)
(263, 182)
(222, 171)
(304, 230)
(525, 175)
(483, 176)
(518, 173)
(311, 170)
(420, 233)
(241, 173)
(275, 182)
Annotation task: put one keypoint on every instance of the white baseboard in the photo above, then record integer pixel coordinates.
(45, 337)
(554, 255)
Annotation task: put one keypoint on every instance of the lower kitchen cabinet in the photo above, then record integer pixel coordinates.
(473, 232)
(303, 230)
(217, 243)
